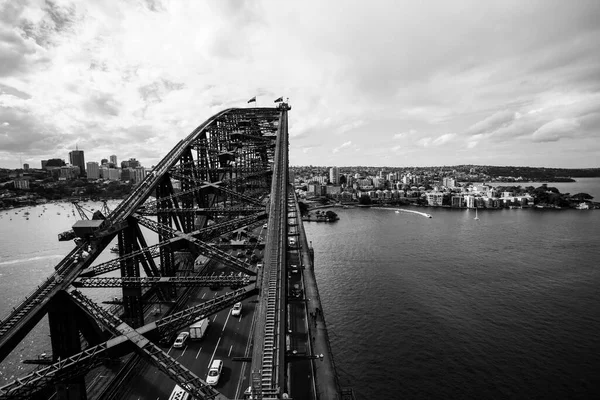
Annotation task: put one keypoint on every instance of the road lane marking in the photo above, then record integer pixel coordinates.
(214, 351)
(242, 378)
(183, 352)
(204, 295)
(198, 353)
(227, 319)
(215, 318)
(170, 348)
(230, 347)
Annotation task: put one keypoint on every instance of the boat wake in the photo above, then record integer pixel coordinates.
(22, 260)
(397, 210)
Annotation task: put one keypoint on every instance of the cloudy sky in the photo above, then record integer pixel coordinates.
(381, 83)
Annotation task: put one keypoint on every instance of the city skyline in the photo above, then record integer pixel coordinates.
(389, 83)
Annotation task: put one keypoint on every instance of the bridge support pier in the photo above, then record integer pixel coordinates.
(65, 339)
(132, 293)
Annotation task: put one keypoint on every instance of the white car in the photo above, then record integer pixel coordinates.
(214, 373)
(181, 339)
(265, 226)
(237, 309)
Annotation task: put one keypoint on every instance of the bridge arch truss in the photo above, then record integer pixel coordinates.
(211, 184)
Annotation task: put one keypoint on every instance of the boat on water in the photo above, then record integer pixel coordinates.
(428, 215)
(397, 212)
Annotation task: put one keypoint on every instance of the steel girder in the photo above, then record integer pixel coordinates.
(150, 252)
(205, 249)
(228, 150)
(153, 281)
(91, 357)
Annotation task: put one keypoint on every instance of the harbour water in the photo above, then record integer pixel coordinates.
(451, 307)
(441, 307)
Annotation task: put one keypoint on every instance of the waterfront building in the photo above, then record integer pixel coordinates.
(334, 175)
(434, 198)
(346, 196)
(77, 158)
(492, 192)
(333, 190)
(93, 170)
(456, 201)
(470, 201)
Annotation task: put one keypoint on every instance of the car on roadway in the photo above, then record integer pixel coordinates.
(181, 339)
(214, 373)
(265, 226)
(237, 309)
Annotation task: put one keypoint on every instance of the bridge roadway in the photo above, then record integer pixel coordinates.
(226, 338)
(274, 332)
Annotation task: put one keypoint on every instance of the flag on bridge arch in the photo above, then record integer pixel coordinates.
(252, 100)
(279, 100)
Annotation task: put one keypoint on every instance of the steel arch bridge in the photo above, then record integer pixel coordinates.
(229, 173)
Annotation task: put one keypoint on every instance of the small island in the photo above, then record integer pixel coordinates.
(320, 216)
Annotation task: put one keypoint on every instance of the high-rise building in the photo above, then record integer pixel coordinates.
(93, 170)
(114, 174)
(113, 159)
(334, 175)
(77, 159)
(25, 166)
(44, 162)
(139, 174)
(103, 161)
(131, 163)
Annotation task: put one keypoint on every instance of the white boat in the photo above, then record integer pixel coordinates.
(476, 217)
(397, 212)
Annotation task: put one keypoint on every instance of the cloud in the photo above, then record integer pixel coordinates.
(350, 126)
(342, 146)
(555, 130)
(445, 138)
(424, 142)
(403, 135)
(492, 123)
(147, 72)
